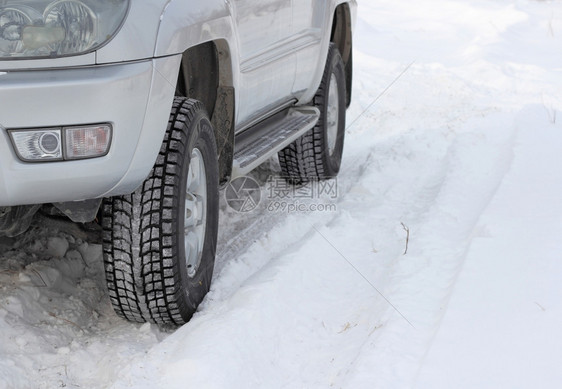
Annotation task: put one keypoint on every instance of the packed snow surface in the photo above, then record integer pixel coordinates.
(434, 261)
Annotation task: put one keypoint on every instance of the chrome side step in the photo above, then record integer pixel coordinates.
(257, 144)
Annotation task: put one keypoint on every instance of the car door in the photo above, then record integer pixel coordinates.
(309, 25)
(267, 62)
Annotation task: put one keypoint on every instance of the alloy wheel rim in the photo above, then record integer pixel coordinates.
(195, 217)
(332, 119)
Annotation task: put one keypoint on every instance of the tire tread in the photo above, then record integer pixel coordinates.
(139, 257)
(304, 160)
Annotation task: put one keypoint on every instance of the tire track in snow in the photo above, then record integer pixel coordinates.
(235, 261)
(422, 282)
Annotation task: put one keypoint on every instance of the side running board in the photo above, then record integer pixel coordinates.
(257, 144)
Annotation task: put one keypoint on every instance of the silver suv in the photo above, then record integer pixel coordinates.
(139, 111)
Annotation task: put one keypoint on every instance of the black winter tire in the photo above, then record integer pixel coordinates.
(317, 155)
(159, 243)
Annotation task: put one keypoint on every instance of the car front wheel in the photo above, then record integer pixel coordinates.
(160, 241)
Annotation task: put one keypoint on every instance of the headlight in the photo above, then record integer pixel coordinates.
(48, 29)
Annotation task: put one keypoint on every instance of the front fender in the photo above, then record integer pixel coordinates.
(137, 38)
(188, 23)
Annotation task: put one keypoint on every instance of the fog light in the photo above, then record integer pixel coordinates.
(38, 145)
(57, 144)
(87, 142)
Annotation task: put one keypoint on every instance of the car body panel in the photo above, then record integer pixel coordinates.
(277, 50)
(51, 63)
(137, 37)
(314, 18)
(119, 94)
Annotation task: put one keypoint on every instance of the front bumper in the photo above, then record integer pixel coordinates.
(135, 97)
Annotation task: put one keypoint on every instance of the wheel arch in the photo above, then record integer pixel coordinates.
(208, 70)
(206, 74)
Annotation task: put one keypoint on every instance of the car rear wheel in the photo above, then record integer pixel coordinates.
(160, 241)
(317, 154)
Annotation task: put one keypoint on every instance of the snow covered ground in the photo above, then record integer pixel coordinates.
(451, 156)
